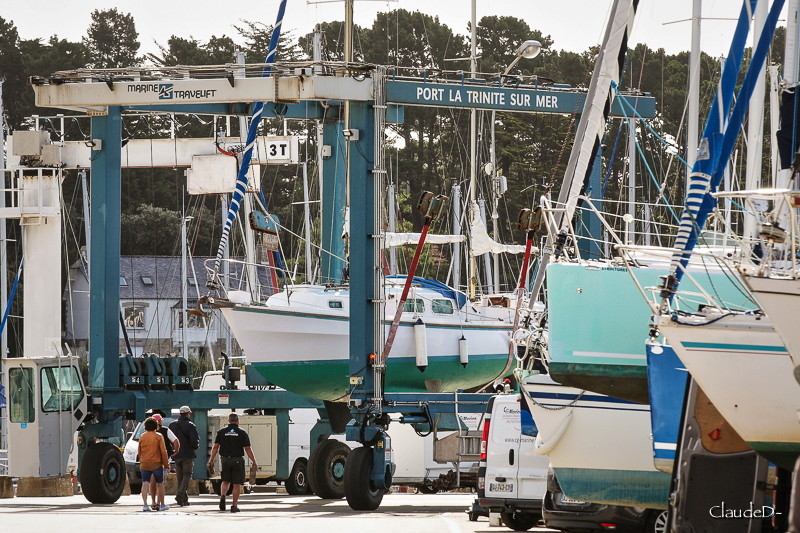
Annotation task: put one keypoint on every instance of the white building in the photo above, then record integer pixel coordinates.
(151, 301)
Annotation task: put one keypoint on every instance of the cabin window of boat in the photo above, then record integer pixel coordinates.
(21, 401)
(335, 304)
(442, 307)
(61, 388)
(414, 305)
(133, 316)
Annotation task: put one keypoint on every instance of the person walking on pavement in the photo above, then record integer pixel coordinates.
(152, 462)
(173, 445)
(232, 443)
(189, 441)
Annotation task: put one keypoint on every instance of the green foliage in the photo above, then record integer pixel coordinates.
(12, 71)
(112, 39)
(151, 231)
(180, 51)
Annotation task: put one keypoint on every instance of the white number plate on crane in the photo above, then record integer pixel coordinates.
(280, 150)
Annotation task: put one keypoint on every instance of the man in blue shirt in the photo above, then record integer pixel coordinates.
(232, 443)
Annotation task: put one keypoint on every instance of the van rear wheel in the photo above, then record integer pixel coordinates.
(518, 520)
(297, 483)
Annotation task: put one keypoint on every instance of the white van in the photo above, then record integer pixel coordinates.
(512, 477)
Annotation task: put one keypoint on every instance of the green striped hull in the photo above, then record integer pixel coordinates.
(329, 380)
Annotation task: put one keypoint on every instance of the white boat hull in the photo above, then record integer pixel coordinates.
(779, 298)
(740, 362)
(599, 446)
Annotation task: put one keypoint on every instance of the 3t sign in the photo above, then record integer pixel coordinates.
(281, 150)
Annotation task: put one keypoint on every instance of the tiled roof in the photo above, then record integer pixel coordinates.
(165, 273)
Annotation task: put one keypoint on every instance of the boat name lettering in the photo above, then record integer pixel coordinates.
(615, 269)
(166, 91)
(510, 410)
(501, 98)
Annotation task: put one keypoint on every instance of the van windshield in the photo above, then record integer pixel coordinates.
(140, 428)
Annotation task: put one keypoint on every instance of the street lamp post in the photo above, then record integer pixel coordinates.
(527, 50)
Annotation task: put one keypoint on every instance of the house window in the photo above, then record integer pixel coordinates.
(335, 304)
(133, 316)
(442, 307)
(414, 305)
(192, 321)
(147, 280)
(192, 282)
(123, 282)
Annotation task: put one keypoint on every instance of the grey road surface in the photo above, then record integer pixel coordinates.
(399, 513)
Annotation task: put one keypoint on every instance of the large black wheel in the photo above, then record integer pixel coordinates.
(657, 521)
(360, 491)
(297, 484)
(519, 521)
(216, 486)
(326, 466)
(102, 473)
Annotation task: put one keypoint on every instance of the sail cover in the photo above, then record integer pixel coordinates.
(481, 243)
(393, 239)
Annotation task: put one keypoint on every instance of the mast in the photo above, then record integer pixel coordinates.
(392, 208)
(693, 119)
(755, 127)
(473, 146)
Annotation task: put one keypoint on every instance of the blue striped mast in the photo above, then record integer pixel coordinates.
(720, 134)
(252, 133)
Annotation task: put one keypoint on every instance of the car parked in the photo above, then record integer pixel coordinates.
(561, 512)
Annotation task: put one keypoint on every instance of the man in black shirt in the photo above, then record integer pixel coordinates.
(232, 443)
(186, 431)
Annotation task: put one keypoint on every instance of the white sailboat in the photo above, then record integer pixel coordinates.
(299, 338)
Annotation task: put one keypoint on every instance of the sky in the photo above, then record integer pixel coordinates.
(574, 25)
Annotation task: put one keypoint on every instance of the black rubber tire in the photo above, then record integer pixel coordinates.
(216, 486)
(326, 469)
(360, 491)
(297, 483)
(656, 521)
(103, 475)
(519, 521)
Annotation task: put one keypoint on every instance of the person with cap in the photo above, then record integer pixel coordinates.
(173, 445)
(188, 442)
(152, 462)
(232, 442)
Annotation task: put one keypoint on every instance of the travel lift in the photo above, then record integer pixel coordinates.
(306, 91)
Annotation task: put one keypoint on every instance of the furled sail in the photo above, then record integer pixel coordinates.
(481, 243)
(720, 133)
(252, 133)
(610, 63)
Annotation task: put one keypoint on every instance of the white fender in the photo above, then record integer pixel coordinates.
(544, 448)
(421, 344)
(463, 351)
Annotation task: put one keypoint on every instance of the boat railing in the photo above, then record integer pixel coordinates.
(693, 294)
(653, 226)
(773, 224)
(233, 277)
